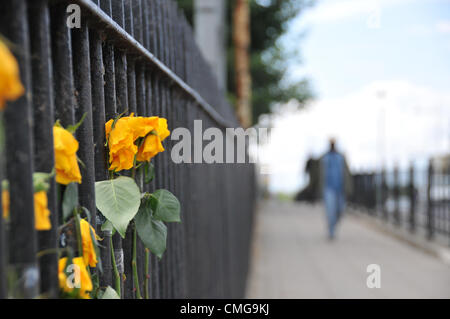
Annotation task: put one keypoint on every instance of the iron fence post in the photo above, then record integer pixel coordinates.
(430, 212)
(412, 200)
(43, 108)
(396, 195)
(385, 196)
(19, 157)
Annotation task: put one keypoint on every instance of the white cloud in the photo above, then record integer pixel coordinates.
(416, 124)
(426, 30)
(443, 26)
(421, 29)
(333, 10)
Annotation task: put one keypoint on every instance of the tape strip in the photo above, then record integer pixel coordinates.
(118, 255)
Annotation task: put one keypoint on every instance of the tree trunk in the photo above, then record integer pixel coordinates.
(241, 38)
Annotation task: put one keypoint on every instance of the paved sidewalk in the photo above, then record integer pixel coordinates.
(293, 259)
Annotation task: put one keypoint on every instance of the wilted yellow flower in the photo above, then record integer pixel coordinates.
(41, 211)
(150, 148)
(121, 144)
(122, 139)
(5, 203)
(89, 255)
(162, 130)
(152, 144)
(66, 165)
(10, 86)
(141, 126)
(85, 283)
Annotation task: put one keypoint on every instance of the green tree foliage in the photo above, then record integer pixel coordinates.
(269, 60)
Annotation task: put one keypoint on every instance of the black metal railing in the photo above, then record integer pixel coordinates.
(414, 198)
(128, 56)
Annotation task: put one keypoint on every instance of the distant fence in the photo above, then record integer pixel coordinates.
(416, 199)
(135, 55)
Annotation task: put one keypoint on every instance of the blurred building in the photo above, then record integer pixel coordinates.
(210, 36)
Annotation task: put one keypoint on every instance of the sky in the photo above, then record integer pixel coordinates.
(381, 73)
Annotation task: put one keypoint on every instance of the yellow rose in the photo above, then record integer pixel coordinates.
(141, 126)
(66, 165)
(89, 255)
(121, 140)
(10, 86)
(162, 130)
(85, 278)
(41, 212)
(121, 144)
(152, 144)
(150, 148)
(5, 203)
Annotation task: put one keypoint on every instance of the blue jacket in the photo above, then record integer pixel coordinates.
(334, 173)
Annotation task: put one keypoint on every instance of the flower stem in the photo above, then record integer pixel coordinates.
(134, 261)
(147, 275)
(134, 265)
(44, 252)
(133, 172)
(116, 271)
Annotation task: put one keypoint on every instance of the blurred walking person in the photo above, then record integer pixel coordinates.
(335, 182)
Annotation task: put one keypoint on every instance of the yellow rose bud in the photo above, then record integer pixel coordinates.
(10, 86)
(41, 211)
(89, 254)
(84, 280)
(66, 165)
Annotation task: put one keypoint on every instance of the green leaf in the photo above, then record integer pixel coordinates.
(152, 232)
(118, 200)
(95, 285)
(107, 226)
(41, 181)
(70, 200)
(165, 205)
(58, 123)
(5, 184)
(110, 293)
(86, 212)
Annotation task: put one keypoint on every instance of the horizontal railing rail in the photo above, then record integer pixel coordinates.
(124, 40)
